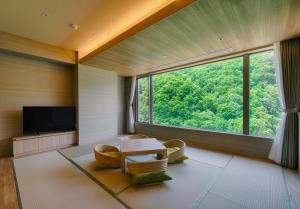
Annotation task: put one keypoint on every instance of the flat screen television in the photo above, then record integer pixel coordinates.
(44, 119)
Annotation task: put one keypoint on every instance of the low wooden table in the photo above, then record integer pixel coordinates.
(140, 147)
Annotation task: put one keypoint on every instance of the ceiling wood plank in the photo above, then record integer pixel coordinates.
(159, 15)
(26, 46)
(203, 26)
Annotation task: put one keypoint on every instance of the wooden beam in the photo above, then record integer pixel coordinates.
(159, 15)
(13, 43)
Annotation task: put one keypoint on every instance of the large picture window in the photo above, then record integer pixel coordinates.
(212, 96)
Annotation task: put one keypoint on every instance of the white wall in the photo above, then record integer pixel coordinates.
(100, 104)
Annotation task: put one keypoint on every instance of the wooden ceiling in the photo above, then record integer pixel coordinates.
(204, 26)
(98, 21)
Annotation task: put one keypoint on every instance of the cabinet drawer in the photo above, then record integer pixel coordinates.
(26, 146)
(41, 143)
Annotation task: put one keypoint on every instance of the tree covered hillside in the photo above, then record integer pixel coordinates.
(210, 96)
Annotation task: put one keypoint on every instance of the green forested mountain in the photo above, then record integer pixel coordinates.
(210, 96)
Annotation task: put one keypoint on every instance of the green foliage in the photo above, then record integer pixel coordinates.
(211, 96)
(143, 98)
(264, 104)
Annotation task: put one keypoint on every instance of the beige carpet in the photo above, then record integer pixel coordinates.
(49, 181)
(113, 179)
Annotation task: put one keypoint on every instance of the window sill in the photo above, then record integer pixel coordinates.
(205, 131)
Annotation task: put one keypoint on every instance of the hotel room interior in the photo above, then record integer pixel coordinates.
(149, 104)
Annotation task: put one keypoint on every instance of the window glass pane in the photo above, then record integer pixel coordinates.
(265, 108)
(208, 96)
(143, 99)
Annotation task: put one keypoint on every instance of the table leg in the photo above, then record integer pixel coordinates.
(123, 166)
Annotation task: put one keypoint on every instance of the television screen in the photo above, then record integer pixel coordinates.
(48, 119)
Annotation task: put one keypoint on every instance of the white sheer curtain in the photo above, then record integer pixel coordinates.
(276, 150)
(131, 120)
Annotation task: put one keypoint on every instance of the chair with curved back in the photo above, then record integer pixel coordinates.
(107, 156)
(175, 150)
(148, 172)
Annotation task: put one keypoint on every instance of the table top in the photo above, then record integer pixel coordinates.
(141, 146)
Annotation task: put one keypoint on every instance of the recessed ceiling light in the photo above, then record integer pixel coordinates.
(73, 26)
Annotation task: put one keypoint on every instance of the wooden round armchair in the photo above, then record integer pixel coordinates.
(107, 156)
(175, 149)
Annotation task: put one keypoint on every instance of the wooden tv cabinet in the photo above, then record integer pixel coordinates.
(27, 145)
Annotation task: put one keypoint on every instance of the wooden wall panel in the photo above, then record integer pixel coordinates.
(225, 142)
(26, 81)
(99, 104)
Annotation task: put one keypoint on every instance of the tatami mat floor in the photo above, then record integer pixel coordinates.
(238, 183)
(293, 181)
(242, 183)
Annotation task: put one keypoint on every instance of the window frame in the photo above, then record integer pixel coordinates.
(253, 53)
(246, 90)
(136, 103)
